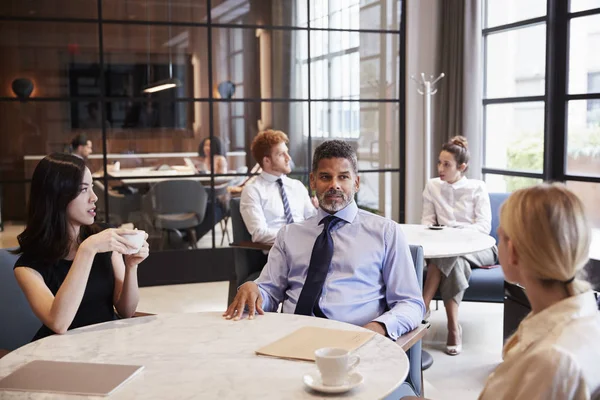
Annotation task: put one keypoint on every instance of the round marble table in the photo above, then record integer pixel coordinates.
(204, 356)
(447, 242)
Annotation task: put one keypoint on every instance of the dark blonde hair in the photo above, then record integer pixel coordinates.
(550, 232)
(459, 148)
(263, 143)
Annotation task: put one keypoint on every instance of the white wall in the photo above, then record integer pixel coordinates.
(422, 32)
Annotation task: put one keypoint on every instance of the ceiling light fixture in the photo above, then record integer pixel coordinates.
(165, 83)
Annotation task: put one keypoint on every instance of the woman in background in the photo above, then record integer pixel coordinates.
(544, 243)
(453, 200)
(73, 272)
(208, 146)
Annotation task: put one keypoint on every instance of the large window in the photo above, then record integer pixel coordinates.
(316, 69)
(542, 109)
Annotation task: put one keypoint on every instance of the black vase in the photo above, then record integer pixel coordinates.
(22, 87)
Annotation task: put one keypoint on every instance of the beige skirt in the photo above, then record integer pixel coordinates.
(456, 271)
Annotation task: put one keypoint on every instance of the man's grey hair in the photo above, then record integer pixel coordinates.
(335, 149)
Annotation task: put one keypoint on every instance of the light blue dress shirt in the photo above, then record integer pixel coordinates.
(371, 277)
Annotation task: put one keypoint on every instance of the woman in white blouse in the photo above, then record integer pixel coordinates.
(544, 243)
(453, 200)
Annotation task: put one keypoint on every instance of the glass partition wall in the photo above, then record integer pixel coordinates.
(150, 82)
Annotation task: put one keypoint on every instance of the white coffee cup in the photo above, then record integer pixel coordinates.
(335, 364)
(136, 239)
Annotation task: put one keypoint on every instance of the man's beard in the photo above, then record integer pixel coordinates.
(334, 206)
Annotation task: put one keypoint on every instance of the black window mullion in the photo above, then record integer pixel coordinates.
(102, 82)
(211, 120)
(585, 13)
(402, 117)
(557, 61)
(515, 25)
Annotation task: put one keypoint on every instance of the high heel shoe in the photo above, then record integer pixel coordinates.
(456, 349)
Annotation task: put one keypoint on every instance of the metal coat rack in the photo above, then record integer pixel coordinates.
(427, 89)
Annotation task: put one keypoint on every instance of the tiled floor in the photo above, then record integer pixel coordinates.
(463, 376)
(460, 377)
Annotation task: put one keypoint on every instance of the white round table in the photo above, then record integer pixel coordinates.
(446, 242)
(204, 356)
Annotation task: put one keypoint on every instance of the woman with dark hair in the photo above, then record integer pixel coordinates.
(456, 201)
(212, 146)
(73, 272)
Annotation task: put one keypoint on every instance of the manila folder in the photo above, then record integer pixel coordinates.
(302, 343)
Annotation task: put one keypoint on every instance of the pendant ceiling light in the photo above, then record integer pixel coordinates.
(163, 84)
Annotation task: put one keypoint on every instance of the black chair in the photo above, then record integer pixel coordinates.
(122, 207)
(249, 262)
(174, 206)
(19, 323)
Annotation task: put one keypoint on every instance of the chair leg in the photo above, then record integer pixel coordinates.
(227, 230)
(193, 239)
(224, 230)
(162, 239)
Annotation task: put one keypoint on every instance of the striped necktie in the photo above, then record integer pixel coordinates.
(286, 203)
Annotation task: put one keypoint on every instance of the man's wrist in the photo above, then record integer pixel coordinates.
(378, 327)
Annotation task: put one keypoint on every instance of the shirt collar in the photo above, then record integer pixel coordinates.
(462, 182)
(348, 213)
(271, 178)
(536, 326)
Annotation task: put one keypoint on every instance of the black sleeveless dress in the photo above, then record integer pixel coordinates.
(97, 302)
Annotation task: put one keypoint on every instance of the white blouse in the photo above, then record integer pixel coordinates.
(464, 203)
(554, 354)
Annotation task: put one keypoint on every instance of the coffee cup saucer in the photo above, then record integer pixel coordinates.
(314, 381)
(436, 227)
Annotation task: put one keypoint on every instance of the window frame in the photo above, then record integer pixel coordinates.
(555, 98)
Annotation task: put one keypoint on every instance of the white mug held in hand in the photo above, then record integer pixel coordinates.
(137, 239)
(335, 365)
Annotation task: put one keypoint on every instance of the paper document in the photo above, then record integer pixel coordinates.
(301, 344)
(69, 377)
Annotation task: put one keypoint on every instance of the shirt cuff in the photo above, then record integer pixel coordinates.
(391, 325)
(266, 298)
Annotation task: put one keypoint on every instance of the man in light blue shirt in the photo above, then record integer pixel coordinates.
(367, 274)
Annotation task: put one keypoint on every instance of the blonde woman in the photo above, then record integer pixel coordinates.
(544, 243)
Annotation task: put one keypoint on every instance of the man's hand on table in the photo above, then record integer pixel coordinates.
(247, 295)
(376, 327)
